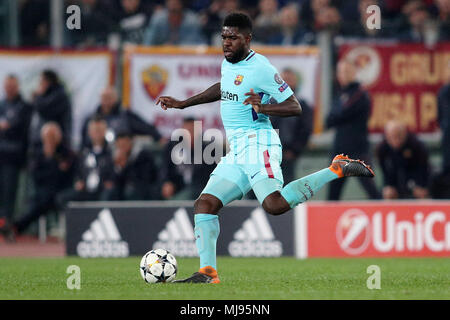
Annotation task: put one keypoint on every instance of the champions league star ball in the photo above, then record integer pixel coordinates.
(158, 266)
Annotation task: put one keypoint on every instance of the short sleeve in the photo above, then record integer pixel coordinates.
(271, 83)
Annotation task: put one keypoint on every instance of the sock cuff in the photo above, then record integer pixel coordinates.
(290, 196)
(301, 190)
(198, 217)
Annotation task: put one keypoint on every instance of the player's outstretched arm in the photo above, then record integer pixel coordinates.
(209, 95)
(287, 108)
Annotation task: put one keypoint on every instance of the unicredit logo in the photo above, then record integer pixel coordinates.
(355, 231)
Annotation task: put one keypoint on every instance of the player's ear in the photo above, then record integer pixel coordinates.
(249, 37)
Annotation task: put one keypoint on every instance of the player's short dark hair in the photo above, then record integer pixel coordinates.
(239, 20)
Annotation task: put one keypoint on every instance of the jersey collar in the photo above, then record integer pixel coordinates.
(249, 57)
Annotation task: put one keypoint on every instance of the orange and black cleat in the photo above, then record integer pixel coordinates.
(343, 166)
(204, 275)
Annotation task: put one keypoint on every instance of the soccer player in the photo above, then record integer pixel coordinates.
(249, 82)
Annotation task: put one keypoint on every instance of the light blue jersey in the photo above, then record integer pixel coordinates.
(257, 73)
(255, 149)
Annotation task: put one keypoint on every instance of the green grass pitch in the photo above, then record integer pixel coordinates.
(242, 278)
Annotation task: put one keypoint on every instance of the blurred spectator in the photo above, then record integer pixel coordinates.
(440, 184)
(173, 25)
(230, 6)
(211, 21)
(317, 15)
(418, 17)
(267, 23)
(35, 22)
(328, 18)
(349, 10)
(444, 121)
(97, 22)
(294, 131)
(359, 28)
(198, 5)
(50, 103)
(14, 121)
(94, 177)
(404, 162)
(443, 7)
(184, 180)
(118, 120)
(212, 18)
(392, 8)
(52, 172)
(251, 6)
(290, 31)
(350, 115)
(135, 171)
(133, 21)
(307, 12)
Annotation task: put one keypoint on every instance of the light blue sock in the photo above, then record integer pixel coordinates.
(303, 189)
(206, 233)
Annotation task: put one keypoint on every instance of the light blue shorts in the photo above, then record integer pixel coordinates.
(253, 162)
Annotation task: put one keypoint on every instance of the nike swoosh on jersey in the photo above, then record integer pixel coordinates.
(251, 177)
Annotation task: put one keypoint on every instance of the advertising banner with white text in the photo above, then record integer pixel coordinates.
(373, 229)
(121, 229)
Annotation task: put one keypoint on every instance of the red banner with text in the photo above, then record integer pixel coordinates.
(403, 81)
(385, 229)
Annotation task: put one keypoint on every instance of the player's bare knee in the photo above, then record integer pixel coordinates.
(275, 204)
(271, 209)
(207, 203)
(268, 205)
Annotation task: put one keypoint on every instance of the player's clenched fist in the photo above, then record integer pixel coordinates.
(254, 99)
(169, 102)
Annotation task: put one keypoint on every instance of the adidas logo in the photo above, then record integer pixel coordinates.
(255, 238)
(102, 239)
(178, 236)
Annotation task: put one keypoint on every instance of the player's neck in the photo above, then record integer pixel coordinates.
(245, 56)
(242, 57)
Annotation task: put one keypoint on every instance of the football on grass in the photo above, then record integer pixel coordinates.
(158, 265)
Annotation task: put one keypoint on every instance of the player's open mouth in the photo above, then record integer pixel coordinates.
(227, 53)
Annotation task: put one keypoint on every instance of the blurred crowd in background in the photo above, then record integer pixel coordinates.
(276, 22)
(35, 134)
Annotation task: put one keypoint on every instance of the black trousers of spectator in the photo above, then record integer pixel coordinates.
(49, 200)
(42, 203)
(440, 186)
(288, 168)
(74, 195)
(130, 192)
(368, 184)
(336, 186)
(9, 180)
